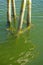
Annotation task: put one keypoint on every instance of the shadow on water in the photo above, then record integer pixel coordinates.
(16, 51)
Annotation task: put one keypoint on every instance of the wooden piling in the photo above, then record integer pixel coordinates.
(23, 5)
(22, 11)
(8, 12)
(28, 12)
(13, 9)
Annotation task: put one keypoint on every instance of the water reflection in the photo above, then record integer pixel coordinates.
(17, 51)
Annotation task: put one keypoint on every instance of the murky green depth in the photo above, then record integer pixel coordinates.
(27, 48)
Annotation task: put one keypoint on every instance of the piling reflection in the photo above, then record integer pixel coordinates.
(17, 51)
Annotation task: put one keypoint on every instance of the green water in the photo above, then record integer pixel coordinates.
(26, 49)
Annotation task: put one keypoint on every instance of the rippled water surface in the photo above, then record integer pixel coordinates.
(26, 47)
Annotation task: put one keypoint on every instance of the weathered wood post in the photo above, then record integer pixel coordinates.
(13, 9)
(28, 12)
(8, 12)
(23, 5)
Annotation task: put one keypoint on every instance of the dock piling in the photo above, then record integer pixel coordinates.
(22, 11)
(28, 12)
(8, 12)
(13, 9)
(23, 5)
(10, 5)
